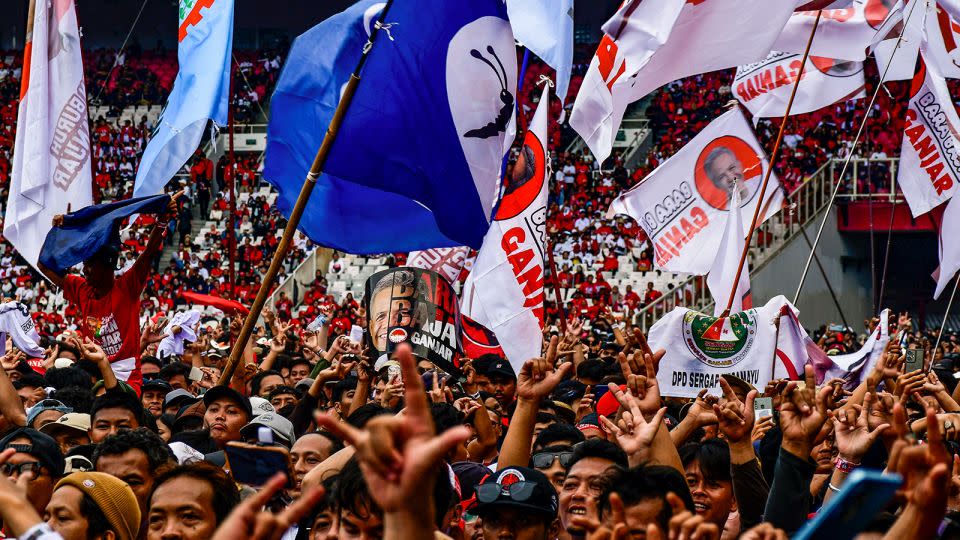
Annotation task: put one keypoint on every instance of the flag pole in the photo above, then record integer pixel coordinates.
(945, 315)
(846, 162)
(556, 289)
(231, 166)
(773, 158)
(315, 169)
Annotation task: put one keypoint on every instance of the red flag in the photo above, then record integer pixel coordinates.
(227, 306)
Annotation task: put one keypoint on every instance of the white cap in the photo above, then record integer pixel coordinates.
(261, 406)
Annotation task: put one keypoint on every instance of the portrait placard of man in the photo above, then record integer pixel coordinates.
(396, 300)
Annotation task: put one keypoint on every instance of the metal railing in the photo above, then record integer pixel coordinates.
(804, 203)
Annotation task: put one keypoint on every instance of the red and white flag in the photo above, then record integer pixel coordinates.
(764, 87)
(448, 262)
(845, 33)
(681, 204)
(505, 289)
(649, 44)
(949, 247)
(952, 7)
(930, 153)
(723, 273)
(941, 46)
(854, 367)
(51, 158)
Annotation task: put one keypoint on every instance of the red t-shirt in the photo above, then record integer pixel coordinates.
(113, 321)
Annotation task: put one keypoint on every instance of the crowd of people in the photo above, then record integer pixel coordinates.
(311, 438)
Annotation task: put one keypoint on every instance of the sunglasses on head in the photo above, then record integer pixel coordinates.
(518, 491)
(543, 460)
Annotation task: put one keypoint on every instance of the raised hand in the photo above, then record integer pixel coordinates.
(248, 521)
(851, 427)
(640, 372)
(585, 405)
(598, 531)
(735, 417)
(632, 431)
(399, 454)
(803, 412)
(539, 376)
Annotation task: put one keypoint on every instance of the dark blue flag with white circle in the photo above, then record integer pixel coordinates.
(416, 163)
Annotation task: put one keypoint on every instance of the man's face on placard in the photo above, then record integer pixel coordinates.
(388, 308)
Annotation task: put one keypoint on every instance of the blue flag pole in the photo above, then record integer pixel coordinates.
(315, 170)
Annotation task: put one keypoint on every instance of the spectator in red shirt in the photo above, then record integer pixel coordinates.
(110, 305)
(651, 295)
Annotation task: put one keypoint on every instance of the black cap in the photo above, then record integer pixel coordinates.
(542, 497)
(502, 368)
(156, 384)
(220, 391)
(41, 446)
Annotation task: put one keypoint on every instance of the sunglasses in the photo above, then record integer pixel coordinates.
(544, 460)
(9, 469)
(518, 491)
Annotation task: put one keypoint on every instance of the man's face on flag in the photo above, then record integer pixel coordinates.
(725, 171)
(388, 308)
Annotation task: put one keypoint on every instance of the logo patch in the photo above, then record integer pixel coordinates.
(719, 342)
(398, 335)
(508, 478)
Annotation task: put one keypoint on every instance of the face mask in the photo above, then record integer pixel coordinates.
(286, 410)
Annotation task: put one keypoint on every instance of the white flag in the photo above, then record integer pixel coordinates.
(505, 289)
(930, 153)
(545, 27)
(680, 204)
(701, 348)
(51, 158)
(941, 39)
(649, 44)
(853, 367)
(949, 247)
(448, 262)
(895, 55)
(844, 33)
(764, 87)
(724, 270)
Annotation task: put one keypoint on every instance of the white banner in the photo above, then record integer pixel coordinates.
(930, 153)
(722, 275)
(701, 348)
(505, 289)
(949, 247)
(448, 262)
(634, 58)
(51, 158)
(681, 203)
(764, 87)
(844, 33)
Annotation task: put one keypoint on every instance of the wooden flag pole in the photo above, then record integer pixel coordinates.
(773, 159)
(315, 169)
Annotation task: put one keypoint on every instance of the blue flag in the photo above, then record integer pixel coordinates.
(200, 92)
(546, 28)
(86, 231)
(416, 163)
